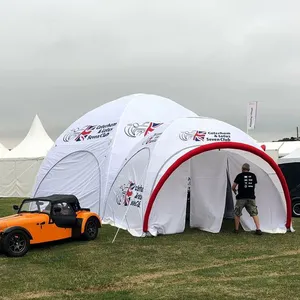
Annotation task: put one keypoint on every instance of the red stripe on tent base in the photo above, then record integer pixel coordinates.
(214, 146)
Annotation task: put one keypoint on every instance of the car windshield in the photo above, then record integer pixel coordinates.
(35, 206)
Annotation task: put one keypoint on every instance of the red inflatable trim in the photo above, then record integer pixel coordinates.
(214, 146)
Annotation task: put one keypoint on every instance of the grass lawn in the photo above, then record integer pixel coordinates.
(192, 265)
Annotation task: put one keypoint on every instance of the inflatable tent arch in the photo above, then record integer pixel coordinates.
(172, 151)
(216, 146)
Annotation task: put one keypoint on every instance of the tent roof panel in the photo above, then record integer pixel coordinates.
(3, 150)
(294, 156)
(37, 143)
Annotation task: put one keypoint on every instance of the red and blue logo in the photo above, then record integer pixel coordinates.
(152, 126)
(134, 130)
(199, 136)
(194, 135)
(85, 133)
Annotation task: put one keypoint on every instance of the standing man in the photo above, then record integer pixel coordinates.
(245, 197)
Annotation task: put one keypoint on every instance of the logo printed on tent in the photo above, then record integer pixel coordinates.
(195, 135)
(208, 136)
(130, 194)
(199, 136)
(84, 133)
(151, 127)
(152, 138)
(135, 129)
(89, 132)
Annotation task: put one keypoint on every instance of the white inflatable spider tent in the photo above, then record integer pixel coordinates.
(88, 155)
(149, 195)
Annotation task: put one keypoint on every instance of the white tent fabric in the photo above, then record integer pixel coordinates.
(272, 149)
(89, 153)
(288, 147)
(17, 176)
(128, 205)
(272, 145)
(3, 151)
(19, 167)
(290, 158)
(280, 149)
(37, 143)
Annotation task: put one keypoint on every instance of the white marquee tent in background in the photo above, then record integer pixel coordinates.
(19, 167)
(278, 150)
(3, 150)
(150, 192)
(89, 153)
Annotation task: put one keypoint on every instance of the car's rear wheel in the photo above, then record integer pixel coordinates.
(16, 243)
(91, 229)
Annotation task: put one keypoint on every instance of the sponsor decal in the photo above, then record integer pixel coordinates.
(89, 132)
(152, 139)
(208, 136)
(130, 194)
(135, 129)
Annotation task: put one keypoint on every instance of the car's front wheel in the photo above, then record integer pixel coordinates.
(16, 243)
(296, 208)
(91, 229)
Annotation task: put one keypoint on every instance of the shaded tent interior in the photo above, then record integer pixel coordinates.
(291, 172)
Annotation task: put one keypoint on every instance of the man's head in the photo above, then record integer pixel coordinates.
(245, 167)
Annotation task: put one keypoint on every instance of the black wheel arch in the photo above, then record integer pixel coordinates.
(13, 228)
(295, 199)
(97, 220)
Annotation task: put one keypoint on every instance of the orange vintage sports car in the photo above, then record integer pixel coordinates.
(46, 219)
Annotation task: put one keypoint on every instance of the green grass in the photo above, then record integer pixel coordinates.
(192, 265)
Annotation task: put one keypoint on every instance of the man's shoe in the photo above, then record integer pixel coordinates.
(258, 232)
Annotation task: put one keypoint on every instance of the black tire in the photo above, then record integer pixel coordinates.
(15, 243)
(91, 229)
(296, 208)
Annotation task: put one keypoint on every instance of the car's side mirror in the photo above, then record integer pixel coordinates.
(57, 209)
(15, 207)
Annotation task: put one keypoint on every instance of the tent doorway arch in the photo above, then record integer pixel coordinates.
(215, 146)
(77, 173)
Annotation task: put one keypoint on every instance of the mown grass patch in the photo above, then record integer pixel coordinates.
(192, 265)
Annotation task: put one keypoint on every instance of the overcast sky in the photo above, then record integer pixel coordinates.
(62, 58)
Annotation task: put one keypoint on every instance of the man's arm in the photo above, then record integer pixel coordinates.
(234, 187)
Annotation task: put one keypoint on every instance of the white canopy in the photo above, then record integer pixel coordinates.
(19, 167)
(288, 147)
(272, 145)
(291, 158)
(281, 148)
(37, 143)
(150, 192)
(3, 151)
(89, 153)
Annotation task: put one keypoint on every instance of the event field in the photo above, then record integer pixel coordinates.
(192, 265)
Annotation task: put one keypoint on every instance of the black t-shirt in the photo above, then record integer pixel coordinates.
(246, 184)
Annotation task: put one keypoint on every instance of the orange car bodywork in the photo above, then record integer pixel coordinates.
(40, 227)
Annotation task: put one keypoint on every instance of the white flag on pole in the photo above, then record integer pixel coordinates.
(251, 114)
